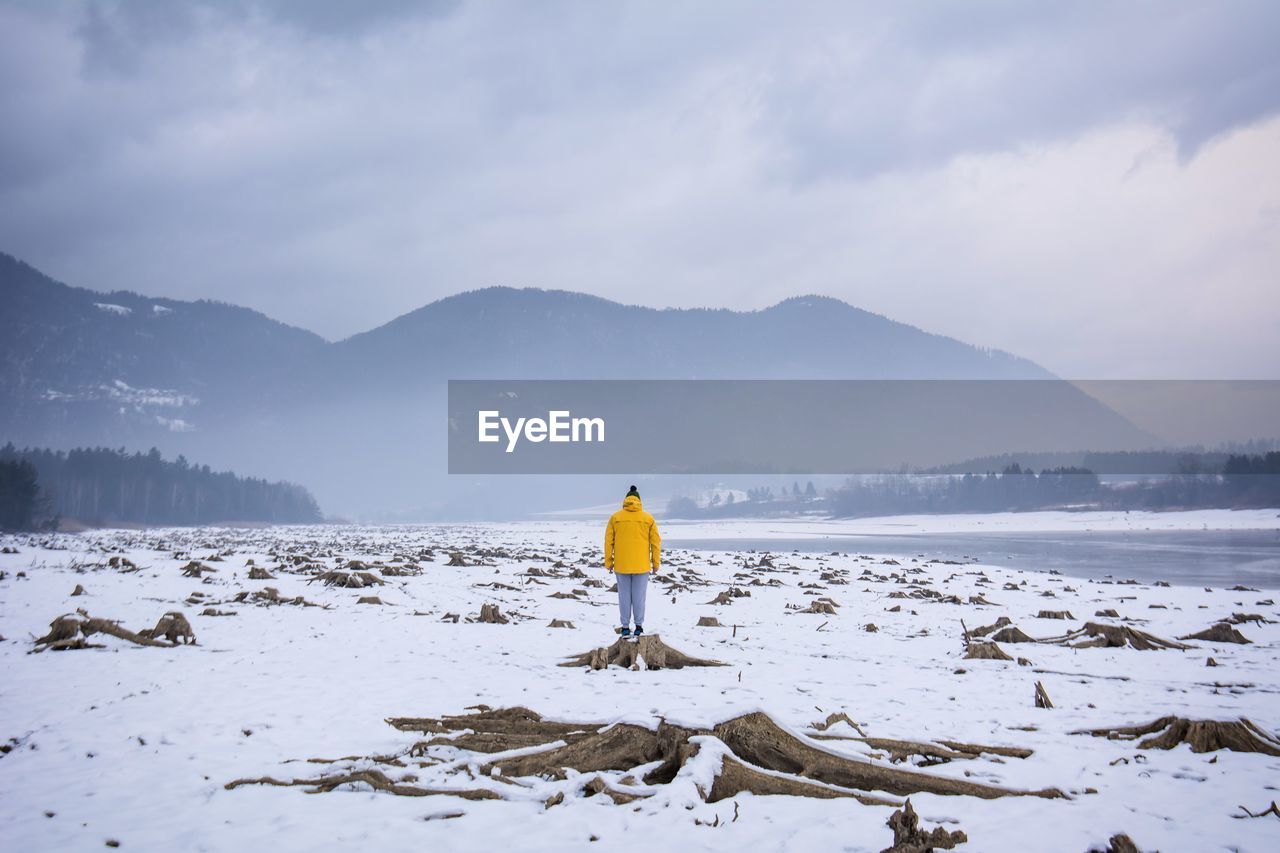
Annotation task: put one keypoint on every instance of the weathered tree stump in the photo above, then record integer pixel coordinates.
(490, 614)
(1097, 635)
(351, 580)
(908, 837)
(985, 650)
(1242, 735)
(984, 630)
(628, 654)
(1119, 843)
(173, 626)
(195, 569)
(73, 631)
(1012, 634)
(820, 605)
(1219, 633)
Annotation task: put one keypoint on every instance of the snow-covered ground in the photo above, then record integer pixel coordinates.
(136, 744)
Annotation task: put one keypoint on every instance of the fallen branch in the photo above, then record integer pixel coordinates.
(1269, 810)
(375, 779)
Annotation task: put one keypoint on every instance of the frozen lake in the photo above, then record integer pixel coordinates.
(1192, 557)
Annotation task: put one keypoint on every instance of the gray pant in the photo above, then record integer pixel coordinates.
(631, 589)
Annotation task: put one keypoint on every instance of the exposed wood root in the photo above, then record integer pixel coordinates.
(1270, 810)
(756, 738)
(756, 755)
(736, 777)
(834, 718)
(375, 779)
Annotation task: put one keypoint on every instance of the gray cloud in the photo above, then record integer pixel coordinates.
(991, 171)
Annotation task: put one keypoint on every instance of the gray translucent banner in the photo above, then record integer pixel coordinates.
(831, 426)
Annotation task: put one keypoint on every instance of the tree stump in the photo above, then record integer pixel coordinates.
(628, 654)
(1242, 735)
(985, 650)
(490, 614)
(1219, 633)
(908, 837)
(173, 626)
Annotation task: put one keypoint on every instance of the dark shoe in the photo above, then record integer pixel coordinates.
(639, 630)
(626, 632)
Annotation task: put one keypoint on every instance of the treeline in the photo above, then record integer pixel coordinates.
(1132, 462)
(22, 505)
(105, 486)
(1015, 488)
(760, 501)
(1243, 480)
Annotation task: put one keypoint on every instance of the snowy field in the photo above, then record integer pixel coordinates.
(136, 744)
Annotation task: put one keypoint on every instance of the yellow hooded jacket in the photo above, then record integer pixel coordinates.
(631, 540)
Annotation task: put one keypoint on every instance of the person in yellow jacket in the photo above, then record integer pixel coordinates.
(631, 549)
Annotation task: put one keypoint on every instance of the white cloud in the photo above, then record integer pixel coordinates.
(1089, 185)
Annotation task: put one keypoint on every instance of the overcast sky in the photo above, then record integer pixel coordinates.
(1092, 185)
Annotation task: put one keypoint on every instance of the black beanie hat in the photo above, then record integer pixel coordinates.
(633, 492)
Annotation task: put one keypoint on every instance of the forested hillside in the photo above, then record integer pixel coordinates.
(104, 486)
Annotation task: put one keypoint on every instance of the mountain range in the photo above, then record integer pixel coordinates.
(360, 421)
